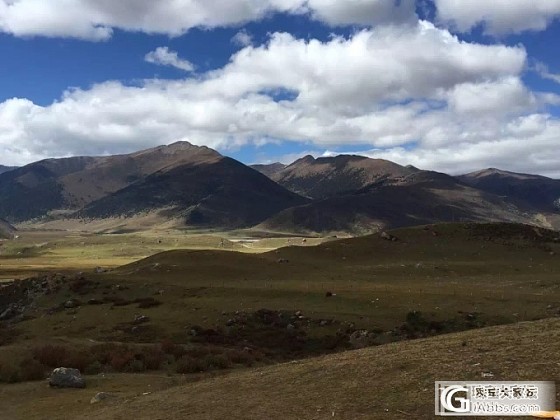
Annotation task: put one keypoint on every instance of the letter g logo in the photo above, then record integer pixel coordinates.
(449, 399)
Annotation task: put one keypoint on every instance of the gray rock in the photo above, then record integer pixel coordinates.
(101, 396)
(66, 378)
(361, 339)
(388, 237)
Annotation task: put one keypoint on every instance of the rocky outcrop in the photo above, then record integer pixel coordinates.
(66, 378)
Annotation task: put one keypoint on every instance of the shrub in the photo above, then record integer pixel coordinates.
(120, 358)
(216, 361)
(93, 368)
(49, 355)
(187, 364)
(9, 374)
(31, 370)
(146, 303)
(239, 357)
(169, 347)
(135, 366)
(153, 358)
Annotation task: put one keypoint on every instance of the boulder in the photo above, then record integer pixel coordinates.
(66, 378)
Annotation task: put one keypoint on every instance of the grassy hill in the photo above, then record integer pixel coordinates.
(394, 381)
(203, 314)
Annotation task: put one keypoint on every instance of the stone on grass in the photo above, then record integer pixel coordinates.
(66, 378)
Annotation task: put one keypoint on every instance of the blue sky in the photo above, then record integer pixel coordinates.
(445, 85)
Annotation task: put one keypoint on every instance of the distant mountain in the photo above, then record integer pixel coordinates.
(221, 193)
(529, 191)
(196, 186)
(6, 168)
(7, 231)
(189, 179)
(421, 198)
(270, 169)
(330, 176)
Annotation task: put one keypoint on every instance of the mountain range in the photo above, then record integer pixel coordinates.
(198, 187)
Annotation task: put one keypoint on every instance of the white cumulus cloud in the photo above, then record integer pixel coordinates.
(96, 19)
(415, 94)
(498, 17)
(164, 57)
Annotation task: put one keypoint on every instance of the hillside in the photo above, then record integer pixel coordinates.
(269, 169)
(330, 176)
(220, 193)
(420, 198)
(530, 191)
(7, 231)
(6, 169)
(225, 317)
(394, 381)
(199, 183)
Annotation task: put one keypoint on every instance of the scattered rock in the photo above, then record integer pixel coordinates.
(283, 261)
(101, 396)
(66, 378)
(72, 304)
(291, 327)
(361, 339)
(141, 319)
(388, 237)
(100, 270)
(95, 302)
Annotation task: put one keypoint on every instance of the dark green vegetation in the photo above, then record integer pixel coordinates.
(218, 310)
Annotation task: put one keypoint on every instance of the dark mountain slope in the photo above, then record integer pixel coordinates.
(69, 184)
(221, 193)
(269, 170)
(6, 168)
(530, 191)
(7, 231)
(428, 197)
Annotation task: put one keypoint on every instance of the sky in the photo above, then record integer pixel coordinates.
(446, 85)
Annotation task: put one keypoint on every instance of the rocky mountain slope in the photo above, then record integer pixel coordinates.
(327, 177)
